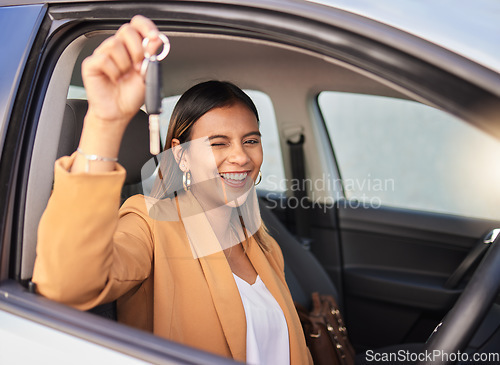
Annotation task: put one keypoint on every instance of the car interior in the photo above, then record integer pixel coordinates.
(387, 267)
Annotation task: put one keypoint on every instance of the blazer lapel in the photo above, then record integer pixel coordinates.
(206, 248)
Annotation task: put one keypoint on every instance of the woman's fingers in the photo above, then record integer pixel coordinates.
(115, 50)
(144, 26)
(147, 29)
(125, 49)
(132, 40)
(101, 64)
(115, 87)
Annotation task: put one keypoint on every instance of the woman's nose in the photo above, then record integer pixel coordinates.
(238, 155)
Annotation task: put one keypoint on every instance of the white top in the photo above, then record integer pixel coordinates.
(267, 331)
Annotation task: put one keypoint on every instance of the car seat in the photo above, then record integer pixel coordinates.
(134, 149)
(304, 274)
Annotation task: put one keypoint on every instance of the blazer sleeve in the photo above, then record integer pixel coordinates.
(89, 252)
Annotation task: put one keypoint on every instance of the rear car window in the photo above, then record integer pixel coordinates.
(406, 154)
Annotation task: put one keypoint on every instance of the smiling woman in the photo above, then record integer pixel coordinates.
(388, 263)
(272, 176)
(227, 116)
(171, 260)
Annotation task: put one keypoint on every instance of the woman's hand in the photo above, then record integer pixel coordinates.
(111, 76)
(115, 91)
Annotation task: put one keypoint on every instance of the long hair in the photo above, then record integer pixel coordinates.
(193, 104)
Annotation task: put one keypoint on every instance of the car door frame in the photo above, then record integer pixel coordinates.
(327, 31)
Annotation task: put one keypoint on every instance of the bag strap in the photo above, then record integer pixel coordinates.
(338, 329)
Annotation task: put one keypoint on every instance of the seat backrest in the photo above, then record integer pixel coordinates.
(304, 274)
(134, 149)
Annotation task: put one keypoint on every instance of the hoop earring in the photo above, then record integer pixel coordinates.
(259, 179)
(186, 180)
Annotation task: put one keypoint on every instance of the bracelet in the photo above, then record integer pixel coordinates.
(94, 158)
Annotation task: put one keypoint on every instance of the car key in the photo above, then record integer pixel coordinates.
(153, 103)
(152, 71)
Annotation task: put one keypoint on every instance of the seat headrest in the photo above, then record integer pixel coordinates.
(134, 149)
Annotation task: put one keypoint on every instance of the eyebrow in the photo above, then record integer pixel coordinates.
(254, 133)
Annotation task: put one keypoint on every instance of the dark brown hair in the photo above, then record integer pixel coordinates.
(199, 100)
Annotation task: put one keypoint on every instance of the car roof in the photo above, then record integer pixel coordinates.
(468, 28)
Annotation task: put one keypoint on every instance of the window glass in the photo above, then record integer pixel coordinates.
(77, 92)
(272, 167)
(405, 154)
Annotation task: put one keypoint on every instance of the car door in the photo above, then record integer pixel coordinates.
(416, 207)
(361, 249)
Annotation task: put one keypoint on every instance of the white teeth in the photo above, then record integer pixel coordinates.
(234, 176)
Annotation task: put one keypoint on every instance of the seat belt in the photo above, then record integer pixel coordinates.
(302, 218)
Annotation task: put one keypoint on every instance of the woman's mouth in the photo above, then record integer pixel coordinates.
(234, 179)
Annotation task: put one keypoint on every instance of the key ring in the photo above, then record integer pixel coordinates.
(159, 57)
(164, 52)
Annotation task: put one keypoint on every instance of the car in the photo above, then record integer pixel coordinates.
(381, 128)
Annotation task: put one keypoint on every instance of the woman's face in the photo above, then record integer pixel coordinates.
(236, 151)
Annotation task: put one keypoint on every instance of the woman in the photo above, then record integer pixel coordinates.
(193, 265)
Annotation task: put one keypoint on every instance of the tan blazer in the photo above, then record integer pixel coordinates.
(148, 266)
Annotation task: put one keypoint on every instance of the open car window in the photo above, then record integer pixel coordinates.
(405, 154)
(389, 125)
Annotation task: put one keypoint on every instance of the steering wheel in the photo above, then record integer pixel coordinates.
(458, 326)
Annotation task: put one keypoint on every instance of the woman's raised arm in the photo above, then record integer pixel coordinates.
(115, 90)
(88, 253)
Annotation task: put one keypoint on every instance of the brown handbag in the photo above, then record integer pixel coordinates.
(325, 331)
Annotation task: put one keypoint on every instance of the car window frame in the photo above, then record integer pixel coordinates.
(62, 26)
(401, 202)
(12, 71)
